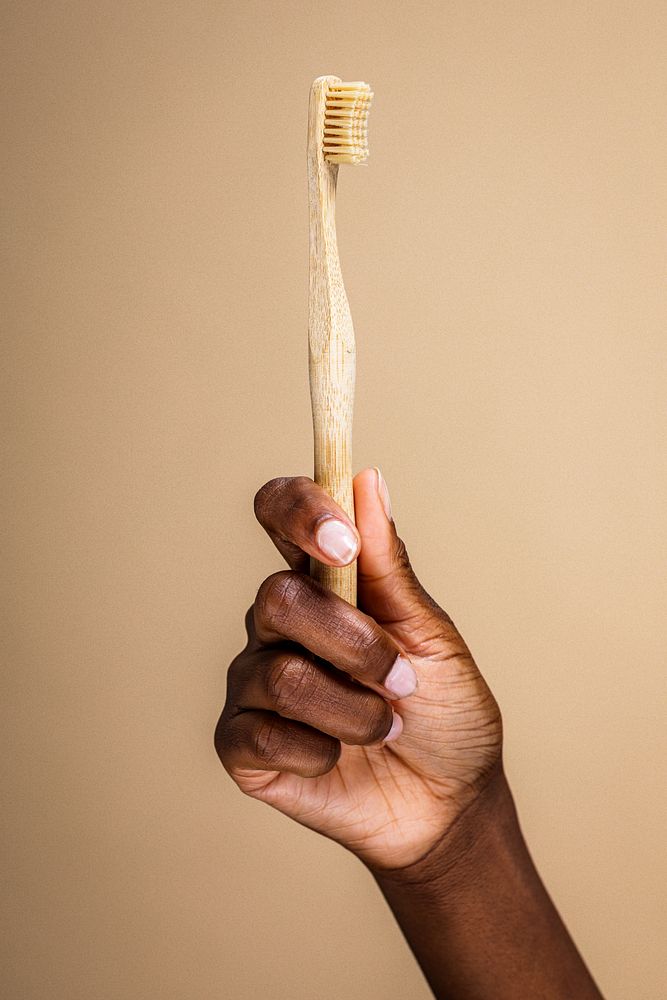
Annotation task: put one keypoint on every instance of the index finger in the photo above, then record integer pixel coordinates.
(303, 520)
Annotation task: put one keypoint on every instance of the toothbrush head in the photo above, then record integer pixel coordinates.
(346, 122)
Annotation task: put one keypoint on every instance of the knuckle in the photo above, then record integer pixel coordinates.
(288, 491)
(269, 743)
(288, 683)
(235, 674)
(266, 495)
(249, 620)
(300, 497)
(222, 736)
(369, 648)
(276, 596)
(400, 556)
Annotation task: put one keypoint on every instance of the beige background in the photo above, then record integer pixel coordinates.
(505, 260)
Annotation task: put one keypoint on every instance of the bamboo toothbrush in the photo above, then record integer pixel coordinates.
(337, 133)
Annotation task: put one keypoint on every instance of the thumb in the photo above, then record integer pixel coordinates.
(388, 589)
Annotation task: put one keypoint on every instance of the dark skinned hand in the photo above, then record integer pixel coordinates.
(322, 719)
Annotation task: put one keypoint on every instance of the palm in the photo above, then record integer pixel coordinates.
(390, 804)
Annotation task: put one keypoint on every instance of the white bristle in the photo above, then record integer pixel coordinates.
(346, 122)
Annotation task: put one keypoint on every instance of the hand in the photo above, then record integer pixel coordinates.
(322, 719)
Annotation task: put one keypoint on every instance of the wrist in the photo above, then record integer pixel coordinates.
(477, 915)
(488, 828)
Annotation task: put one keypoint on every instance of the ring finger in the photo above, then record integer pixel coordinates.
(295, 686)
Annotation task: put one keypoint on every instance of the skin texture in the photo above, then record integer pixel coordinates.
(310, 703)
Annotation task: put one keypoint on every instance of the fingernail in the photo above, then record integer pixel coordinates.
(396, 729)
(336, 540)
(401, 680)
(383, 493)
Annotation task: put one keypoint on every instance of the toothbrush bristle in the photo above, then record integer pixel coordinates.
(346, 122)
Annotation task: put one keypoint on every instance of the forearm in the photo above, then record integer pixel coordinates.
(477, 917)
(312, 700)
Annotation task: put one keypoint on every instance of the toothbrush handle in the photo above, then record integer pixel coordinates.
(332, 385)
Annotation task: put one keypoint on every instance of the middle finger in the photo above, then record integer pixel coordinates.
(293, 606)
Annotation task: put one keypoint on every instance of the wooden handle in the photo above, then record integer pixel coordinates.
(331, 353)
